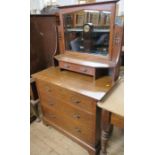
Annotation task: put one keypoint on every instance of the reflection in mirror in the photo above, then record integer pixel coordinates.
(87, 31)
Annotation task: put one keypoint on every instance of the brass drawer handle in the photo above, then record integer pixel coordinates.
(66, 66)
(76, 116)
(75, 101)
(78, 130)
(51, 103)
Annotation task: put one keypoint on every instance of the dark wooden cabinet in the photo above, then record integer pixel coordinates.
(43, 41)
(43, 45)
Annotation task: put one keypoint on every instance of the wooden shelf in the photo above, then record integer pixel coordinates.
(81, 30)
(84, 62)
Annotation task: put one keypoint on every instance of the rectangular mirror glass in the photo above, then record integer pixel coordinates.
(87, 31)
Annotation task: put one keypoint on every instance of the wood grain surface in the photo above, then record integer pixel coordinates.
(81, 84)
(114, 101)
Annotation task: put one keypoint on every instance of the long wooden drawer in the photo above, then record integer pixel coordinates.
(61, 120)
(54, 91)
(77, 68)
(79, 116)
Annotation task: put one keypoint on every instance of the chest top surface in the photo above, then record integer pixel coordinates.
(79, 83)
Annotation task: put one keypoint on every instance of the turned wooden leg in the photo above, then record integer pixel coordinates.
(111, 127)
(106, 131)
(104, 141)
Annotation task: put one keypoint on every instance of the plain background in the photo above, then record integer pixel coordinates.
(139, 77)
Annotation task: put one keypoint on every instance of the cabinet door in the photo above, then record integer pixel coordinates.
(42, 41)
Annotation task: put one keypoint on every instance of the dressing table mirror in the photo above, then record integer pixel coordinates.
(87, 31)
(89, 39)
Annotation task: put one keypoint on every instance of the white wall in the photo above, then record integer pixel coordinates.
(37, 5)
(67, 2)
(121, 6)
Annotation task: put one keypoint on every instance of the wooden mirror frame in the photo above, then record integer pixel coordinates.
(100, 6)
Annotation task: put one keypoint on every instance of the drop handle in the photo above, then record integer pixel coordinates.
(75, 101)
(78, 130)
(85, 70)
(51, 103)
(76, 116)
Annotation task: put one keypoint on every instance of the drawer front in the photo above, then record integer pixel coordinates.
(53, 116)
(48, 90)
(77, 68)
(77, 115)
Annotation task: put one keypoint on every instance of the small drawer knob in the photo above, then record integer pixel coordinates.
(85, 70)
(66, 66)
(41, 33)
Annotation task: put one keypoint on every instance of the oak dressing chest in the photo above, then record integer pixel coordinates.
(89, 46)
(69, 103)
